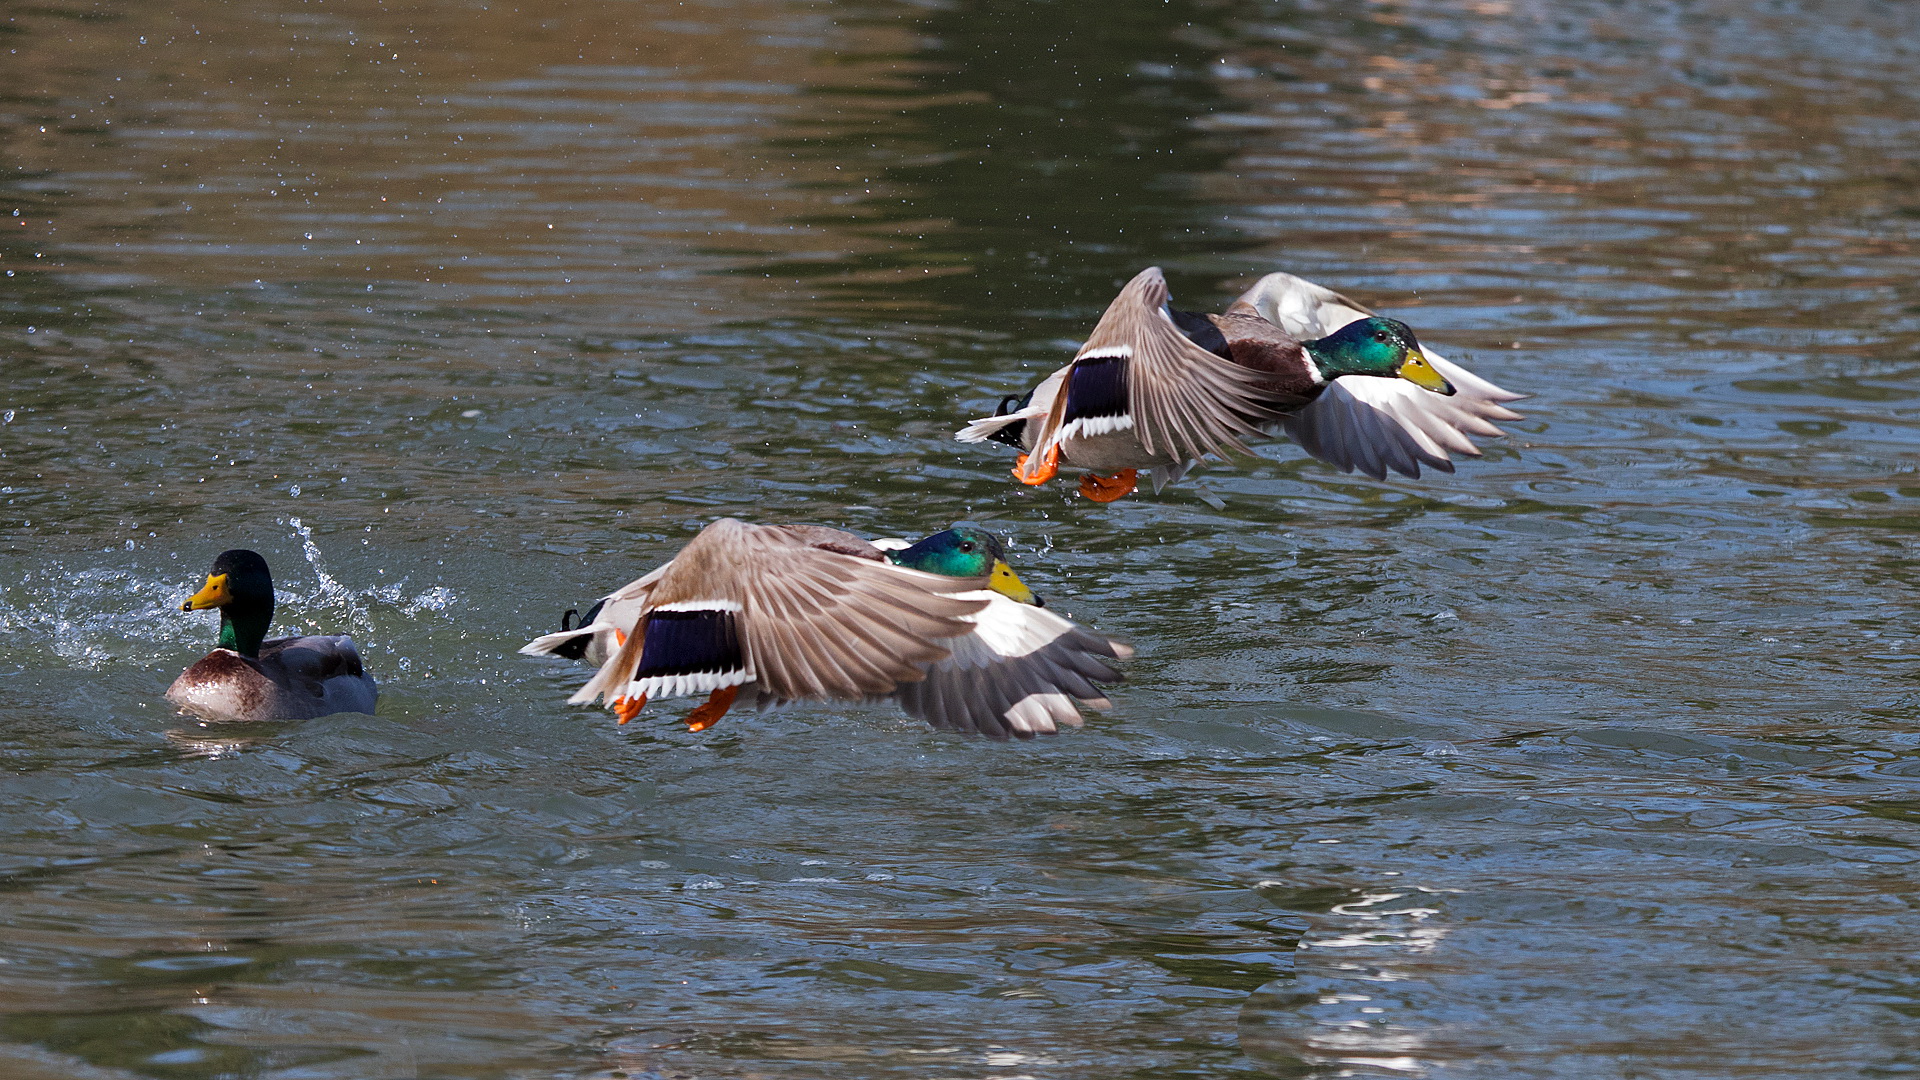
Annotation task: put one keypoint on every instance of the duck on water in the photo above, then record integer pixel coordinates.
(248, 677)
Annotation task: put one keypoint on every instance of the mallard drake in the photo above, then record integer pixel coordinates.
(1157, 388)
(250, 678)
(766, 614)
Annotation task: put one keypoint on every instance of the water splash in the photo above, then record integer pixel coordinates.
(97, 617)
(330, 588)
(355, 607)
(340, 608)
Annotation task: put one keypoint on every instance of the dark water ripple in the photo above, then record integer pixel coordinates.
(1594, 759)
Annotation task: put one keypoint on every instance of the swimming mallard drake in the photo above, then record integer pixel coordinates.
(1157, 388)
(765, 614)
(249, 678)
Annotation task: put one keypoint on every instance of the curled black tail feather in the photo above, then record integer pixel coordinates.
(577, 648)
(1012, 434)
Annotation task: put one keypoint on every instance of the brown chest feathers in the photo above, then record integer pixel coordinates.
(223, 685)
(294, 679)
(1257, 345)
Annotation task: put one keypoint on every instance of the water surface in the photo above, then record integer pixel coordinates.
(1594, 759)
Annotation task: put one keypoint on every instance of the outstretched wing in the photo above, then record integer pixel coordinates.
(821, 624)
(1138, 371)
(1374, 425)
(1370, 424)
(1018, 674)
(778, 606)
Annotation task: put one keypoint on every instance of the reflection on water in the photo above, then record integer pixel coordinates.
(1592, 759)
(1037, 154)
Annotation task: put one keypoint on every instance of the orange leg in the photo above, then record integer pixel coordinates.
(1045, 470)
(716, 707)
(626, 708)
(1105, 489)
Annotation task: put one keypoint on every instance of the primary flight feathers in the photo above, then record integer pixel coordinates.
(1376, 425)
(1157, 388)
(763, 614)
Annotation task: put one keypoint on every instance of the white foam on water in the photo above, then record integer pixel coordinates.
(98, 618)
(347, 609)
(95, 617)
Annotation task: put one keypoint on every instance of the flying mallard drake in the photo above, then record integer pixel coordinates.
(1156, 388)
(250, 678)
(765, 614)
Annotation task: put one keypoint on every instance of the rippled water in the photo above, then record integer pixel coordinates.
(1595, 759)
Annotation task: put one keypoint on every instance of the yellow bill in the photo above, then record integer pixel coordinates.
(1417, 370)
(1007, 583)
(211, 595)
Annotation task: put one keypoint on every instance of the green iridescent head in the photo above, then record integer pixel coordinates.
(964, 551)
(1376, 346)
(241, 587)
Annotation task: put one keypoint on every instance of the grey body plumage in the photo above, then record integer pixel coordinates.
(295, 678)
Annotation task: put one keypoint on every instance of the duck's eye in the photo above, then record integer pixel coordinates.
(967, 546)
(1379, 335)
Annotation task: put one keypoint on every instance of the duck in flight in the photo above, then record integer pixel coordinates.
(1158, 389)
(766, 614)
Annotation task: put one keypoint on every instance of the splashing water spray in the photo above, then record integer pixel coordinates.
(358, 603)
(330, 588)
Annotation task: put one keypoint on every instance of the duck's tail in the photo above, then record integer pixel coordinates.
(987, 427)
(573, 640)
(570, 644)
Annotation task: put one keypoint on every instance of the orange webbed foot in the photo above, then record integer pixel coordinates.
(1041, 472)
(1105, 489)
(716, 707)
(626, 708)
